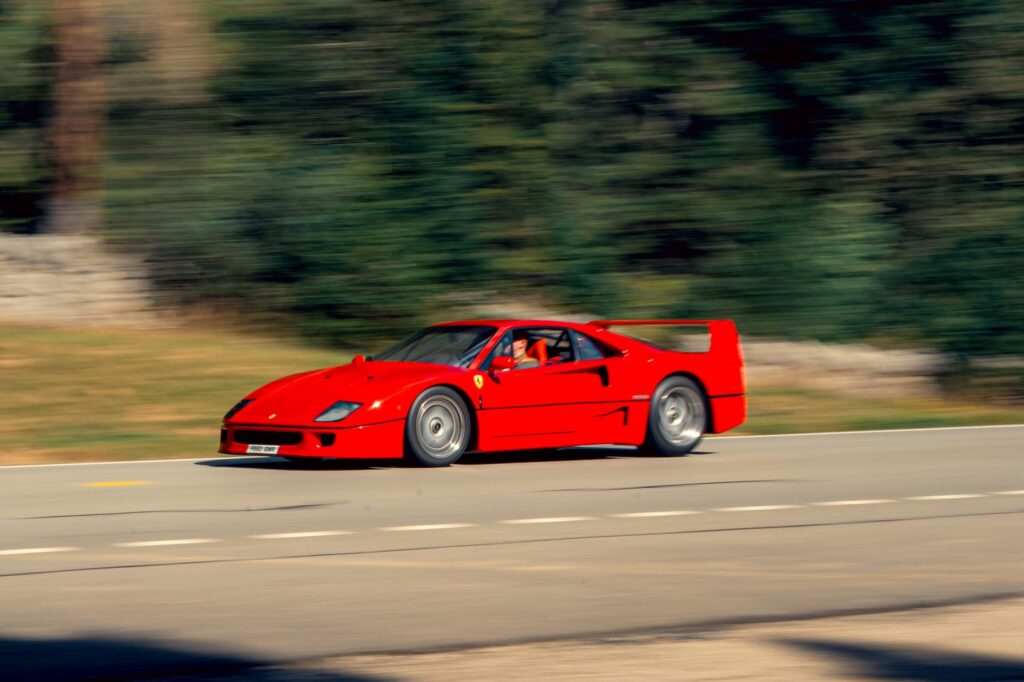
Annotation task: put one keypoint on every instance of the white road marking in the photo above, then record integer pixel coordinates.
(550, 519)
(644, 515)
(304, 534)
(710, 436)
(37, 550)
(764, 507)
(163, 543)
(430, 526)
(545, 519)
(962, 496)
(849, 433)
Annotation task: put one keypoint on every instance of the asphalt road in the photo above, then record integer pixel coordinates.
(162, 566)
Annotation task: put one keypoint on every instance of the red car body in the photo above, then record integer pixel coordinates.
(566, 401)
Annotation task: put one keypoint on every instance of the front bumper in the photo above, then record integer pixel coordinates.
(374, 441)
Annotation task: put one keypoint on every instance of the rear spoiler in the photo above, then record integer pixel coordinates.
(664, 323)
(724, 337)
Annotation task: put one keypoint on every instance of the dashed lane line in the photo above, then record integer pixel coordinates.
(763, 507)
(430, 526)
(652, 514)
(301, 534)
(961, 496)
(549, 519)
(166, 543)
(525, 521)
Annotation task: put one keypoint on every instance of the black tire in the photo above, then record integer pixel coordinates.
(438, 428)
(678, 417)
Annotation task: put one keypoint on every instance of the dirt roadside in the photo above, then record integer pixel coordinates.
(965, 643)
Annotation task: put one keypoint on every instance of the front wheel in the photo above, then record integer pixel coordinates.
(438, 428)
(678, 418)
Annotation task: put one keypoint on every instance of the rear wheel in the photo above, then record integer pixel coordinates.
(438, 428)
(678, 418)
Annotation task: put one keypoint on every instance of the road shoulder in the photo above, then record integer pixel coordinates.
(979, 641)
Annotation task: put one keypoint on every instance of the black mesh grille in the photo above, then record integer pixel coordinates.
(248, 436)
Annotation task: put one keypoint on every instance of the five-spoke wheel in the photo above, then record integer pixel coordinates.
(678, 418)
(438, 428)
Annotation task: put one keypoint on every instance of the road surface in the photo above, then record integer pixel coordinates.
(169, 566)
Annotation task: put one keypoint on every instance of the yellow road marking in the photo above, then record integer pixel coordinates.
(114, 484)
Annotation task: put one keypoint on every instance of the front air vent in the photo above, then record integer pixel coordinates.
(326, 439)
(257, 437)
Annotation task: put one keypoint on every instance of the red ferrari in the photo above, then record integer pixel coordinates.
(493, 385)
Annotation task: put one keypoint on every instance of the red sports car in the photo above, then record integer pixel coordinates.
(491, 385)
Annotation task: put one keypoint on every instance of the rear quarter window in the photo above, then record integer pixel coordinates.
(591, 349)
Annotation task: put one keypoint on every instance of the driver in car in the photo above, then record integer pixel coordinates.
(519, 344)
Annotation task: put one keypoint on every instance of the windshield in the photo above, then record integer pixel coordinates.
(454, 345)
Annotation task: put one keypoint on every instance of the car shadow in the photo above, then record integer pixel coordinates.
(110, 658)
(470, 459)
(560, 455)
(917, 664)
(281, 464)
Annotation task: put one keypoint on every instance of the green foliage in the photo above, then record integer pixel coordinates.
(24, 86)
(844, 170)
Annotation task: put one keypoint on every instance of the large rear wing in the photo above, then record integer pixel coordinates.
(724, 337)
(725, 340)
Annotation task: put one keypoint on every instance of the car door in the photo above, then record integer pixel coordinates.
(567, 401)
(610, 413)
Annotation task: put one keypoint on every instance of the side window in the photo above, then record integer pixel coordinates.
(543, 346)
(589, 350)
(557, 346)
(560, 348)
(503, 347)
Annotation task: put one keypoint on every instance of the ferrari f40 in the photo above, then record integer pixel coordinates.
(500, 385)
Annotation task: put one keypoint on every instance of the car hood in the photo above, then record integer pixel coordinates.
(297, 400)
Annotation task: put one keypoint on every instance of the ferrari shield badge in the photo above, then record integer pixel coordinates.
(478, 380)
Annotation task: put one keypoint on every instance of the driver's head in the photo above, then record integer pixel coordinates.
(519, 342)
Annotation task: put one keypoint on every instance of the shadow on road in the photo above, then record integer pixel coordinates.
(919, 664)
(471, 459)
(232, 462)
(102, 658)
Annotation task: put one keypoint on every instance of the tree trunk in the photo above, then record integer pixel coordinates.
(75, 137)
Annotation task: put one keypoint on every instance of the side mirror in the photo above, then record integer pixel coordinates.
(502, 363)
(359, 359)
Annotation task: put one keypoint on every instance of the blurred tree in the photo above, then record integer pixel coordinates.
(75, 136)
(377, 155)
(846, 170)
(24, 91)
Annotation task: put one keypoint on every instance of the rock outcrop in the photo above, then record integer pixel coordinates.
(71, 280)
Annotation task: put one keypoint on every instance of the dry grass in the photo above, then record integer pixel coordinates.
(780, 409)
(77, 395)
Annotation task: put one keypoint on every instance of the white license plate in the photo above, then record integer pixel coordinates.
(262, 449)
